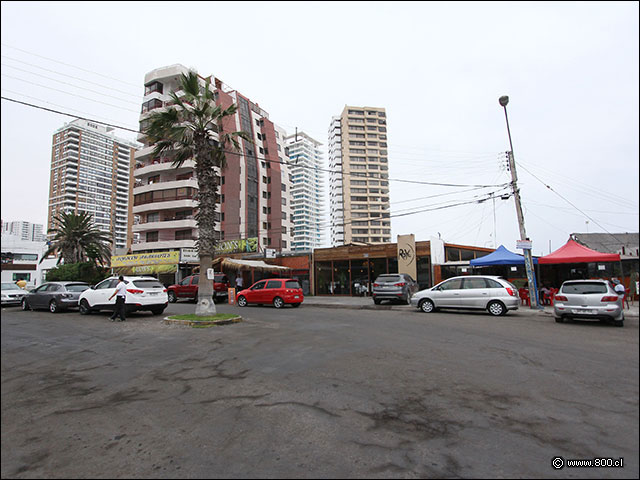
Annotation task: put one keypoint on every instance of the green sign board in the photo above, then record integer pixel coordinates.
(238, 246)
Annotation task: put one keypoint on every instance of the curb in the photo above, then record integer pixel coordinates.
(404, 308)
(201, 323)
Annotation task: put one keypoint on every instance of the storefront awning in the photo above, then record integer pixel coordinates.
(244, 265)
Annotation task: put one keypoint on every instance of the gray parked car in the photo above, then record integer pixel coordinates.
(393, 286)
(54, 296)
(588, 299)
(473, 292)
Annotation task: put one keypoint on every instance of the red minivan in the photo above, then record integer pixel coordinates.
(277, 291)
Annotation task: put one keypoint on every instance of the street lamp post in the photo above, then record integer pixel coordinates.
(528, 260)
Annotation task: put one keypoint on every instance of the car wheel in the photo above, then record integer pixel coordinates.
(496, 308)
(53, 306)
(618, 323)
(242, 301)
(295, 305)
(408, 300)
(172, 297)
(157, 311)
(84, 308)
(278, 302)
(427, 306)
(559, 320)
(376, 301)
(25, 305)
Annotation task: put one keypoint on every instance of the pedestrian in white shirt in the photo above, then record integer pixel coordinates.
(121, 296)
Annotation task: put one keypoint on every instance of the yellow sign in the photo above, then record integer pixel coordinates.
(145, 269)
(156, 258)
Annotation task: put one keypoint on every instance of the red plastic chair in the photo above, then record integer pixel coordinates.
(552, 295)
(524, 296)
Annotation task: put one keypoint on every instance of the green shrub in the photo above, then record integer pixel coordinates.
(80, 272)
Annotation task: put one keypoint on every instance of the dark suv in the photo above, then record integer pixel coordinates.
(394, 286)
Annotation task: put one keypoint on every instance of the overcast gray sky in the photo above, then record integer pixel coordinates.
(570, 70)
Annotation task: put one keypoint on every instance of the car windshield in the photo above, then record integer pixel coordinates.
(152, 283)
(584, 288)
(10, 286)
(388, 279)
(220, 279)
(77, 287)
(292, 284)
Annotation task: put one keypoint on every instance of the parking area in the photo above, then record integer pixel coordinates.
(316, 392)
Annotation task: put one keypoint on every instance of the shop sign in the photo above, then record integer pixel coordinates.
(156, 258)
(238, 246)
(407, 255)
(189, 255)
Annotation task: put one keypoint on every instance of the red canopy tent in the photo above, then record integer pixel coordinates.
(573, 252)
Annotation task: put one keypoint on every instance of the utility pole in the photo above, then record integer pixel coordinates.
(528, 260)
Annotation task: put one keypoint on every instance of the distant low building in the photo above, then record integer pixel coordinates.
(21, 260)
(626, 244)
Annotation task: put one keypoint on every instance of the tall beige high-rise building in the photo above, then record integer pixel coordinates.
(359, 177)
(91, 172)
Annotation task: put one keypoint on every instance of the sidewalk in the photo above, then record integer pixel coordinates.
(366, 303)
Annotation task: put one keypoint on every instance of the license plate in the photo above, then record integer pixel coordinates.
(583, 312)
(296, 296)
(153, 293)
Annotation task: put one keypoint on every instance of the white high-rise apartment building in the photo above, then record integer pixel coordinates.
(24, 230)
(307, 192)
(359, 177)
(91, 172)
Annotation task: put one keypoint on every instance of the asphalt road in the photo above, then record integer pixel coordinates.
(316, 393)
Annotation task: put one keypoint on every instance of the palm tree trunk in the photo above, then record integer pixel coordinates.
(207, 193)
(206, 305)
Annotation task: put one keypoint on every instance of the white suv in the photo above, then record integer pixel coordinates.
(143, 293)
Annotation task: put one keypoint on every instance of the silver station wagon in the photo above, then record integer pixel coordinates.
(589, 300)
(472, 292)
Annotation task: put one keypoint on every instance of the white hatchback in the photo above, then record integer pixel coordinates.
(143, 293)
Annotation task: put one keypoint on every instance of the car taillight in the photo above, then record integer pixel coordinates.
(510, 291)
(401, 284)
(133, 290)
(608, 298)
(165, 290)
(561, 298)
(376, 285)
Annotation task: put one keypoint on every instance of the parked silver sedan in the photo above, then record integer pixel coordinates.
(472, 292)
(54, 296)
(12, 294)
(590, 300)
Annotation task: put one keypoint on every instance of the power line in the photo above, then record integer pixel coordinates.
(64, 75)
(231, 152)
(70, 65)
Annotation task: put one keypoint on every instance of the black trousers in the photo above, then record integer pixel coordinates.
(119, 309)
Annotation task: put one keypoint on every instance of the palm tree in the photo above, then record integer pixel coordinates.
(78, 240)
(188, 130)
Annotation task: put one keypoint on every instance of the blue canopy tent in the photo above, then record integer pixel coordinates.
(501, 256)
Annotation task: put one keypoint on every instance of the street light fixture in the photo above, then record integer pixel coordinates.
(528, 260)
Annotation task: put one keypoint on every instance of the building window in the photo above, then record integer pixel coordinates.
(153, 87)
(152, 236)
(183, 235)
